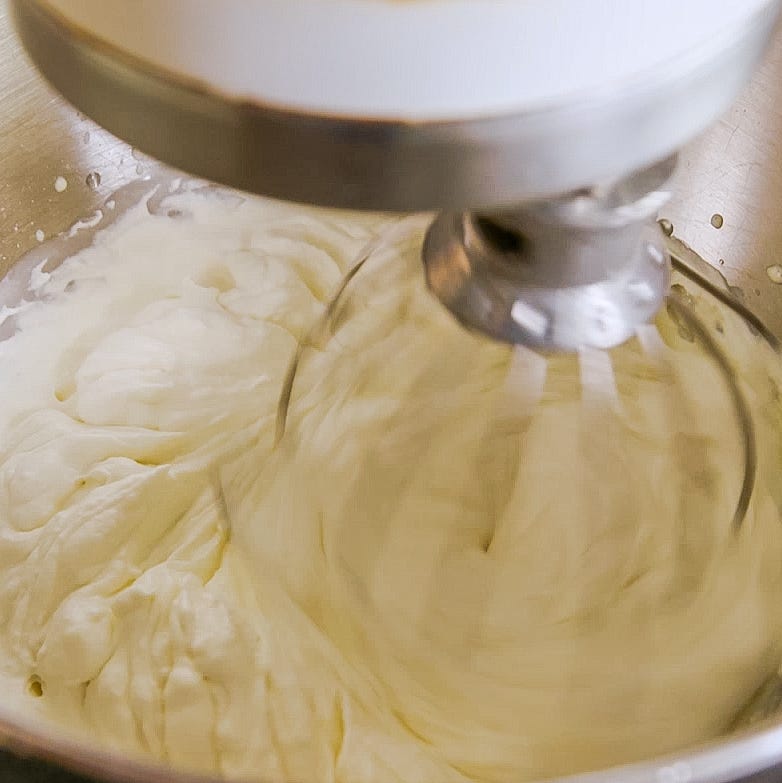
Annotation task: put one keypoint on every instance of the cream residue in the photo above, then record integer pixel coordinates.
(424, 581)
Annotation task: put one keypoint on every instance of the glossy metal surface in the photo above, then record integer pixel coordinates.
(41, 139)
(735, 172)
(728, 195)
(558, 275)
(363, 163)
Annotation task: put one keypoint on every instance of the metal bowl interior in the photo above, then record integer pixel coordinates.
(60, 167)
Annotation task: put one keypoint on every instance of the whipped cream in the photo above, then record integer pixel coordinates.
(456, 565)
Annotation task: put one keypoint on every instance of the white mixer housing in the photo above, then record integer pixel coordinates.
(416, 59)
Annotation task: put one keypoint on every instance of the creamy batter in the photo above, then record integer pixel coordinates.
(456, 565)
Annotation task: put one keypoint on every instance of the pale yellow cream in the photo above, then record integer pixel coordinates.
(451, 568)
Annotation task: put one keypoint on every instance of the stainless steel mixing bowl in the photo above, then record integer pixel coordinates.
(57, 167)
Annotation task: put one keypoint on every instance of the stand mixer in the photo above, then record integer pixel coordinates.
(540, 138)
(547, 131)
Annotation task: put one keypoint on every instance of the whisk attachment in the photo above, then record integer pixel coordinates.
(323, 327)
(528, 368)
(320, 331)
(678, 307)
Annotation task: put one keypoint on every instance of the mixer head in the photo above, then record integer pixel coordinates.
(558, 274)
(537, 124)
